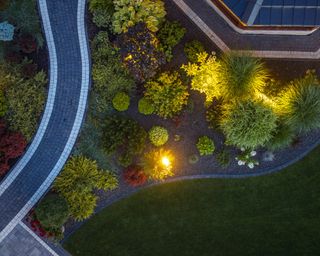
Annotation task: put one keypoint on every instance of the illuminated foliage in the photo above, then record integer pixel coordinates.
(135, 176)
(248, 124)
(299, 104)
(241, 76)
(157, 164)
(76, 184)
(192, 49)
(145, 106)
(121, 101)
(167, 93)
(131, 12)
(205, 75)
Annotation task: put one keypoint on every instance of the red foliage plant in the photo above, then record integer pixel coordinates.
(29, 70)
(12, 145)
(13, 57)
(27, 43)
(134, 175)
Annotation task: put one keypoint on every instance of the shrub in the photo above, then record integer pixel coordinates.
(192, 49)
(193, 159)
(76, 184)
(214, 114)
(121, 101)
(167, 93)
(157, 164)
(52, 211)
(282, 137)
(3, 104)
(246, 158)
(158, 135)
(205, 75)
(125, 137)
(23, 14)
(135, 176)
(241, 76)
(299, 105)
(140, 52)
(27, 43)
(12, 145)
(109, 75)
(223, 158)
(248, 124)
(170, 35)
(102, 11)
(131, 12)
(205, 146)
(145, 106)
(25, 104)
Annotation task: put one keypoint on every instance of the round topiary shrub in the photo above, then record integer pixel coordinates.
(145, 106)
(52, 211)
(205, 146)
(158, 135)
(121, 101)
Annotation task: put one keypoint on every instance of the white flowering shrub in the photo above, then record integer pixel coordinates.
(246, 158)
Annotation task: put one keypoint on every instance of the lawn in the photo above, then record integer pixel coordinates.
(270, 215)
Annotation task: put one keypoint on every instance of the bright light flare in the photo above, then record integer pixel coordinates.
(165, 161)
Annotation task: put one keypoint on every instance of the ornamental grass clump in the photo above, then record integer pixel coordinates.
(282, 137)
(248, 124)
(158, 136)
(241, 76)
(121, 101)
(299, 104)
(205, 146)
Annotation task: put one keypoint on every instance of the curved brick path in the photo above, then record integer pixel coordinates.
(204, 14)
(63, 23)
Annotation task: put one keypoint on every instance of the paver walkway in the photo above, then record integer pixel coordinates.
(207, 18)
(63, 23)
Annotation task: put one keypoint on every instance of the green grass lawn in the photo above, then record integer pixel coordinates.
(270, 215)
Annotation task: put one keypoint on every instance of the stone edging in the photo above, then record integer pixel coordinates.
(223, 46)
(85, 82)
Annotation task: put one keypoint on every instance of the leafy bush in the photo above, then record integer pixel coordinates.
(125, 137)
(52, 211)
(134, 176)
(12, 145)
(193, 159)
(158, 135)
(282, 137)
(170, 35)
(121, 101)
(145, 106)
(205, 145)
(102, 11)
(248, 124)
(109, 75)
(299, 105)
(157, 164)
(23, 15)
(3, 104)
(25, 104)
(214, 114)
(76, 184)
(140, 52)
(167, 93)
(241, 76)
(131, 12)
(205, 75)
(223, 158)
(192, 49)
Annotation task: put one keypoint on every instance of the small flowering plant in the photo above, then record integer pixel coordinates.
(246, 158)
